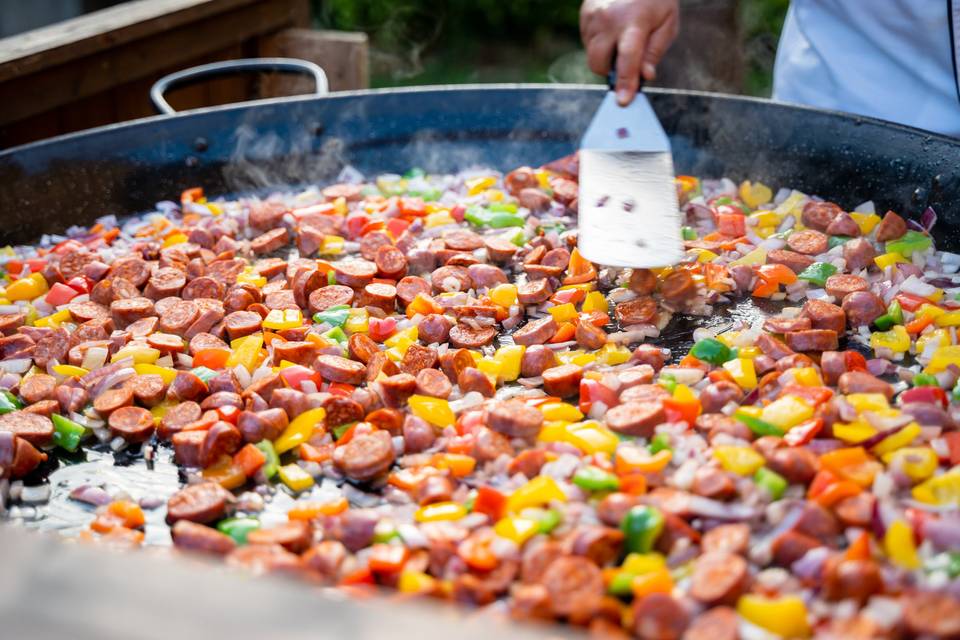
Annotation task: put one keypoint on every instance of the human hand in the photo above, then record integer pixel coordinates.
(639, 32)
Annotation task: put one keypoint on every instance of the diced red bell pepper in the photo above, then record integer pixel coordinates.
(387, 558)
(469, 422)
(592, 391)
(213, 358)
(815, 395)
(953, 446)
(457, 212)
(362, 575)
(355, 223)
(60, 294)
(412, 207)
(803, 432)
(80, 283)
(491, 502)
(910, 302)
(568, 295)
(924, 394)
(341, 389)
(373, 225)
(396, 227)
(678, 411)
(854, 360)
(36, 264)
(380, 329)
(229, 413)
(250, 459)
(731, 224)
(461, 444)
(296, 374)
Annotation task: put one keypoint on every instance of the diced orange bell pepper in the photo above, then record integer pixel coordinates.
(596, 318)
(579, 269)
(387, 558)
(226, 473)
(859, 549)
(565, 332)
(360, 576)
(119, 513)
(953, 446)
(630, 460)
(634, 484)
(475, 550)
(682, 411)
(250, 459)
(692, 362)
(490, 502)
(270, 336)
(192, 194)
(308, 510)
(657, 581)
(313, 453)
(837, 492)
(716, 276)
(424, 305)
(574, 296)
(407, 479)
(815, 395)
(823, 479)
(718, 375)
(341, 389)
(458, 464)
(919, 324)
(852, 463)
(373, 225)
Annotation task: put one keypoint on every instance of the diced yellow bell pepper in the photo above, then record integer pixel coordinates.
(561, 411)
(140, 355)
(583, 359)
(214, 208)
(918, 463)
(300, 430)
(899, 545)
(765, 218)
(504, 295)
(613, 354)
(166, 373)
(246, 353)
(586, 287)
(897, 339)
(510, 357)
(729, 338)
(595, 301)
(249, 276)
(440, 511)
(854, 432)
(939, 337)
(766, 232)
(543, 178)
(54, 319)
(755, 194)
(537, 492)
(436, 411)
(936, 296)
(928, 310)
(331, 245)
(631, 459)
(295, 477)
(28, 288)
(416, 582)
(490, 367)
(516, 529)
(949, 319)
(897, 440)
(790, 203)
(479, 185)
(340, 205)
(438, 219)
(868, 401)
(787, 412)
(743, 461)
(889, 259)
(161, 409)
(702, 255)
(493, 195)
(554, 431)
(280, 319)
(640, 563)
(749, 352)
(807, 376)
(743, 372)
(458, 464)
(174, 238)
(943, 490)
(589, 436)
(358, 321)
(785, 616)
(563, 312)
(943, 358)
(757, 256)
(750, 410)
(70, 371)
(407, 336)
(866, 221)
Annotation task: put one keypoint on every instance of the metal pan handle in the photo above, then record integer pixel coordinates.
(226, 67)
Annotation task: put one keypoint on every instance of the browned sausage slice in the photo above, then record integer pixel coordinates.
(391, 262)
(432, 382)
(728, 538)
(536, 332)
(642, 282)
(366, 456)
(796, 262)
(112, 399)
(932, 613)
(34, 428)
(562, 381)
(719, 578)
(465, 336)
(862, 308)
(242, 323)
(202, 287)
(338, 369)
(534, 292)
(808, 242)
(295, 536)
(575, 585)
(372, 241)
(202, 503)
(537, 359)
(37, 387)
(719, 623)
(841, 284)
(362, 347)
(356, 273)
(472, 379)
(638, 311)
(451, 278)
(678, 287)
(863, 382)
(824, 315)
(891, 227)
(199, 537)
(409, 286)
(812, 340)
(269, 241)
(819, 215)
(330, 296)
(514, 419)
(636, 418)
(133, 424)
(590, 336)
(177, 416)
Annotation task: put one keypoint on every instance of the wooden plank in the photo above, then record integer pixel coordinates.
(104, 70)
(342, 55)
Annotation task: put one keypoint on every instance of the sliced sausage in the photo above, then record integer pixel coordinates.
(451, 278)
(199, 537)
(32, 427)
(391, 262)
(366, 456)
(409, 287)
(778, 324)
(269, 241)
(719, 577)
(432, 382)
(819, 215)
(329, 296)
(659, 616)
(719, 623)
(178, 416)
(185, 386)
(824, 315)
(202, 503)
(562, 381)
(590, 336)
(863, 382)
(418, 358)
(678, 287)
(434, 328)
(727, 538)
(396, 389)
(112, 399)
(642, 282)
(891, 227)
(843, 225)
(372, 241)
(862, 308)
(362, 347)
(242, 323)
(812, 340)
(851, 579)
(637, 311)
(378, 294)
(133, 424)
(339, 369)
(575, 586)
(796, 262)
(295, 536)
(472, 379)
(463, 336)
(636, 418)
(37, 387)
(536, 331)
(840, 285)
(418, 434)
(537, 359)
(203, 287)
(165, 282)
(808, 242)
(514, 419)
(859, 254)
(534, 292)
(356, 273)
(267, 424)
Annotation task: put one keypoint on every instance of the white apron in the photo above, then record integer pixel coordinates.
(890, 59)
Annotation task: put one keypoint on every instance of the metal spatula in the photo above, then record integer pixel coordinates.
(628, 202)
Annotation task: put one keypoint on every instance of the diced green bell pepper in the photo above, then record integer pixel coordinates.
(336, 334)
(331, 277)
(908, 243)
(238, 528)
(817, 273)
(836, 241)
(67, 434)
(925, 380)
(596, 479)
(953, 568)
(688, 233)
(955, 394)
(641, 527)
(771, 482)
(759, 427)
(9, 402)
(494, 219)
(272, 465)
(341, 429)
(204, 373)
(660, 442)
(384, 531)
(549, 520)
(895, 311)
(414, 172)
(519, 238)
(621, 584)
(668, 382)
(507, 207)
(884, 322)
(711, 350)
(334, 316)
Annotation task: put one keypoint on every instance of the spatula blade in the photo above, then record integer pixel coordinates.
(628, 206)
